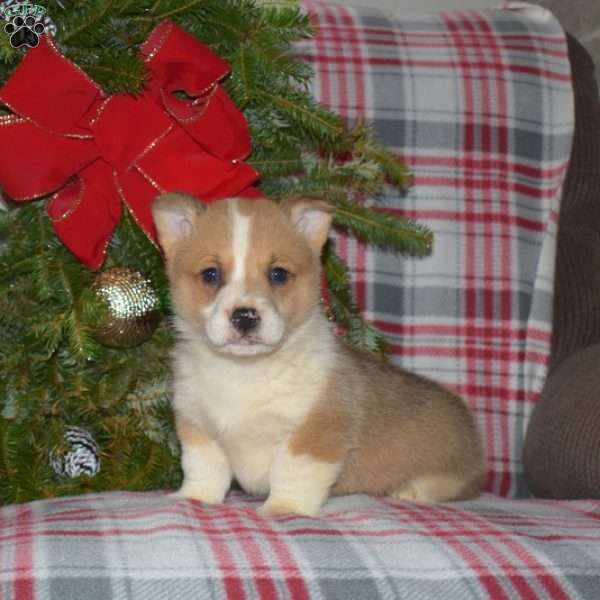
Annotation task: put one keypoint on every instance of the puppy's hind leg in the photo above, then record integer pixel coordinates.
(439, 487)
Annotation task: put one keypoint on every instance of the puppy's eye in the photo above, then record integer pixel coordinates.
(211, 276)
(278, 275)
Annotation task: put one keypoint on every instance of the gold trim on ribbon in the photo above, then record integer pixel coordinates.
(28, 198)
(150, 180)
(63, 57)
(12, 120)
(188, 120)
(83, 136)
(191, 119)
(150, 146)
(100, 110)
(131, 211)
(72, 208)
(159, 44)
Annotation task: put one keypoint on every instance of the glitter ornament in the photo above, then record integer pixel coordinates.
(82, 457)
(133, 308)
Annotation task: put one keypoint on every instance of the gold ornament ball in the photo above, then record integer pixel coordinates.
(132, 308)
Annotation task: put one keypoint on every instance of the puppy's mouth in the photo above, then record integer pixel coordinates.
(246, 345)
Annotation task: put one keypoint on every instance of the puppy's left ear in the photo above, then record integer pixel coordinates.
(311, 218)
(174, 217)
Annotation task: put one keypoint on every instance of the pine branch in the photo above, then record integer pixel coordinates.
(115, 73)
(315, 122)
(95, 13)
(286, 22)
(126, 5)
(8, 54)
(172, 12)
(271, 168)
(383, 229)
(245, 69)
(358, 332)
(396, 171)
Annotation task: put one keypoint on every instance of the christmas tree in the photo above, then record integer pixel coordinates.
(79, 381)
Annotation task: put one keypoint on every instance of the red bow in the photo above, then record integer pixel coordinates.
(66, 134)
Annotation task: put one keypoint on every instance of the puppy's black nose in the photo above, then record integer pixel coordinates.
(245, 319)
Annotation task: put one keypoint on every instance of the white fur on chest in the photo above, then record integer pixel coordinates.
(250, 407)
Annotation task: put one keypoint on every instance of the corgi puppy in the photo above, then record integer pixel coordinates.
(264, 390)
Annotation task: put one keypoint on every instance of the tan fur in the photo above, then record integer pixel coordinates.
(279, 508)
(437, 488)
(274, 242)
(188, 434)
(196, 253)
(327, 432)
(303, 416)
(391, 426)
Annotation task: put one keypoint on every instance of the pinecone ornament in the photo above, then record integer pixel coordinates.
(81, 458)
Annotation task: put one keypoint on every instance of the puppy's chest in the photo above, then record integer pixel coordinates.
(251, 421)
(237, 407)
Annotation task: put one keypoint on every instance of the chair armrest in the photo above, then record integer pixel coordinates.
(561, 447)
(576, 322)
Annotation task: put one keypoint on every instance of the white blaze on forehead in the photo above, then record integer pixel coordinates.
(241, 243)
(235, 293)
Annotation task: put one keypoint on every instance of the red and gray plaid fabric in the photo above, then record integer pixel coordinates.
(479, 104)
(146, 547)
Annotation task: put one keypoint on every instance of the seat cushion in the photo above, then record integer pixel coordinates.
(479, 104)
(147, 546)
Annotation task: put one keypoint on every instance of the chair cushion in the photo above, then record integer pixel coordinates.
(479, 104)
(146, 546)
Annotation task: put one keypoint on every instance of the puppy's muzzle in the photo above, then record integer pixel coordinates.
(245, 320)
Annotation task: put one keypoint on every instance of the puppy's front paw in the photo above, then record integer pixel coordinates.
(198, 491)
(281, 506)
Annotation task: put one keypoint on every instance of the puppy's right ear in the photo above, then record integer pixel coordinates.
(174, 217)
(311, 218)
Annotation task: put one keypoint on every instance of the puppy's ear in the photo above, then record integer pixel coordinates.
(310, 217)
(174, 216)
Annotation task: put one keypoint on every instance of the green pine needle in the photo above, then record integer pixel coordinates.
(383, 229)
(358, 332)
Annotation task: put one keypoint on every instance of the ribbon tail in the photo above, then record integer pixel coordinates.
(137, 193)
(86, 212)
(250, 192)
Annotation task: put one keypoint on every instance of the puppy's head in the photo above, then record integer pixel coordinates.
(244, 273)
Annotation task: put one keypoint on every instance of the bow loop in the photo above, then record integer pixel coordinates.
(221, 128)
(177, 61)
(100, 151)
(51, 92)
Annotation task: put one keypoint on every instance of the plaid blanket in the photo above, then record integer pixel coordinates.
(479, 104)
(146, 547)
